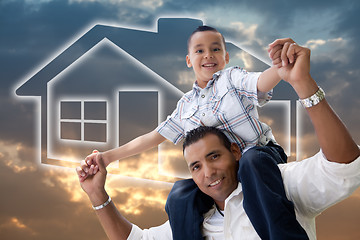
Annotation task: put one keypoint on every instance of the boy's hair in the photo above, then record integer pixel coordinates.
(205, 28)
(198, 133)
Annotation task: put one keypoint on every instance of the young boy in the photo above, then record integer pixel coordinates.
(225, 99)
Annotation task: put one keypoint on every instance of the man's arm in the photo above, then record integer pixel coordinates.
(114, 224)
(334, 139)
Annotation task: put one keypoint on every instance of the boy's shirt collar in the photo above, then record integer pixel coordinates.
(215, 77)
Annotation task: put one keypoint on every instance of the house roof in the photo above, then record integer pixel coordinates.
(171, 30)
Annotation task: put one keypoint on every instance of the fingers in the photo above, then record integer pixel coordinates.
(282, 52)
(81, 174)
(281, 41)
(291, 54)
(93, 169)
(275, 54)
(90, 159)
(88, 167)
(286, 54)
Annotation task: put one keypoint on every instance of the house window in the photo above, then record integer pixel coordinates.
(138, 114)
(83, 120)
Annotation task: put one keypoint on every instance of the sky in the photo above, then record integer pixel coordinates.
(42, 201)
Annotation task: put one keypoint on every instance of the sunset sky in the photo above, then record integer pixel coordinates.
(45, 201)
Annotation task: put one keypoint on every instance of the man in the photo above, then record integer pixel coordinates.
(312, 185)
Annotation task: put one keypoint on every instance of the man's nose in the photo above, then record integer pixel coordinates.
(208, 170)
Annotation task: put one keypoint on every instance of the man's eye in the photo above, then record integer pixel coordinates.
(215, 156)
(196, 167)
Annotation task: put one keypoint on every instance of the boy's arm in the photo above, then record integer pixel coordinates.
(268, 79)
(137, 145)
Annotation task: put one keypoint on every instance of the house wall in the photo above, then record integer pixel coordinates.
(99, 78)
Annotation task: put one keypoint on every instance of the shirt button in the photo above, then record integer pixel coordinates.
(203, 95)
(203, 114)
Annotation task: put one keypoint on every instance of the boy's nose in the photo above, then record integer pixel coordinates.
(209, 54)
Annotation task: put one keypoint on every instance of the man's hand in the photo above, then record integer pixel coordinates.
(89, 166)
(294, 66)
(96, 174)
(114, 224)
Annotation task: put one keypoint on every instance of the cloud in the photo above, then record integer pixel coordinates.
(186, 78)
(149, 4)
(144, 165)
(313, 44)
(39, 200)
(249, 31)
(246, 58)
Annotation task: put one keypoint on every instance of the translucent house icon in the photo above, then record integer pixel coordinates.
(109, 86)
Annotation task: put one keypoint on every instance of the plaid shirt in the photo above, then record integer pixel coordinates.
(227, 102)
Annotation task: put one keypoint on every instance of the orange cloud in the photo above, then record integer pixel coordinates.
(16, 225)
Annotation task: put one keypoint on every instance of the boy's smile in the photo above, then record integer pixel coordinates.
(207, 55)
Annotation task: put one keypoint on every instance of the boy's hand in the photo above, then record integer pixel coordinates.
(89, 166)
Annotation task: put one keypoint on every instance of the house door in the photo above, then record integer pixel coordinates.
(138, 114)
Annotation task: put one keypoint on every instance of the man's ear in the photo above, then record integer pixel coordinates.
(188, 62)
(227, 57)
(235, 150)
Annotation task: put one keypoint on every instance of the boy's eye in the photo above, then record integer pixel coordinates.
(216, 49)
(199, 51)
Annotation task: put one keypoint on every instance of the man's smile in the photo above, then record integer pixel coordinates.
(215, 183)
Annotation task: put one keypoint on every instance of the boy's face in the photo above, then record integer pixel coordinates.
(206, 56)
(213, 167)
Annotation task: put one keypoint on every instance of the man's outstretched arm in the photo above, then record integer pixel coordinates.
(334, 139)
(114, 224)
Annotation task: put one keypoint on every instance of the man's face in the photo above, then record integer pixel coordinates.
(213, 167)
(206, 56)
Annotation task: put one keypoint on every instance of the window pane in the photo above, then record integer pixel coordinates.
(70, 110)
(71, 130)
(95, 110)
(138, 114)
(95, 132)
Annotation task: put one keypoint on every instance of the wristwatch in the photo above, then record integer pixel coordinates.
(314, 99)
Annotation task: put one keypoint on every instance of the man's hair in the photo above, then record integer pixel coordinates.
(205, 28)
(198, 133)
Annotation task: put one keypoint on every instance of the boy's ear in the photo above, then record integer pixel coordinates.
(188, 62)
(227, 58)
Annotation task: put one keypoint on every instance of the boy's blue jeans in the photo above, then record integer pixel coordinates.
(265, 201)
